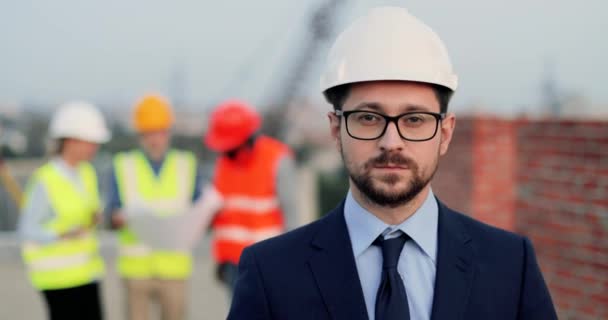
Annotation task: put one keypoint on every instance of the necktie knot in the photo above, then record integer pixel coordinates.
(391, 249)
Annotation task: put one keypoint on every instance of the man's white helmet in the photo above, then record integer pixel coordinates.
(79, 120)
(388, 44)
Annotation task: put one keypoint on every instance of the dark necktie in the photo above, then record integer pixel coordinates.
(391, 299)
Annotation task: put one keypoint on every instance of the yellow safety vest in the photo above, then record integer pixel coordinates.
(172, 188)
(66, 263)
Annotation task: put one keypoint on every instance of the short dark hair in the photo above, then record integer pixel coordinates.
(336, 96)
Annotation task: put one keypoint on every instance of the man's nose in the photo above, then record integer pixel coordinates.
(391, 140)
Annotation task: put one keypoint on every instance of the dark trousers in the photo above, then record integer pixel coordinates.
(81, 302)
(227, 273)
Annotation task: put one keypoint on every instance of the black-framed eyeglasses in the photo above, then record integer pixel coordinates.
(412, 126)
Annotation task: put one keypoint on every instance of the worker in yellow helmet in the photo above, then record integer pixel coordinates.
(160, 180)
(60, 210)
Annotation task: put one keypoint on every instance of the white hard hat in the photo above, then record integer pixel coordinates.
(79, 120)
(388, 44)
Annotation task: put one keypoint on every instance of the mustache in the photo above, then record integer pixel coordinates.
(393, 158)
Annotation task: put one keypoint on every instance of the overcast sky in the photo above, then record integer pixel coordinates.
(115, 50)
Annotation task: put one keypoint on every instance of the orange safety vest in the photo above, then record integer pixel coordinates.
(251, 211)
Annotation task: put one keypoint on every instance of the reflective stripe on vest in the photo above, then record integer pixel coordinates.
(46, 263)
(66, 263)
(251, 211)
(253, 205)
(241, 234)
(60, 262)
(167, 194)
(134, 250)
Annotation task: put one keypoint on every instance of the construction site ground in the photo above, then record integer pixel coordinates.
(18, 300)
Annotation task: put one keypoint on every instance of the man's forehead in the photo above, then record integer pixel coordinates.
(392, 96)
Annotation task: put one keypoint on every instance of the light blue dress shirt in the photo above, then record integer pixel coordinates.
(418, 260)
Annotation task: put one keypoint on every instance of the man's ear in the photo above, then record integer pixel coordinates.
(446, 130)
(334, 127)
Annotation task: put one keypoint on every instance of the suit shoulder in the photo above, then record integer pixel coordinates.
(489, 236)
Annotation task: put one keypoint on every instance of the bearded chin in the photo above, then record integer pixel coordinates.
(388, 199)
(395, 197)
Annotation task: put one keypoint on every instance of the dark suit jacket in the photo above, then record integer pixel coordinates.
(310, 273)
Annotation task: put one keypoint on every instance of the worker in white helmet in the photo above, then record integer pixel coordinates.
(60, 211)
(391, 250)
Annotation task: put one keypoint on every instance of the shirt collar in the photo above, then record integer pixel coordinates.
(63, 166)
(155, 163)
(422, 226)
(364, 227)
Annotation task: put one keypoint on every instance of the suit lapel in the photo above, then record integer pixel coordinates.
(454, 267)
(334, 269)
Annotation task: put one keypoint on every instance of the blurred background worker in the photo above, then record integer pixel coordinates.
(60, 211)
(162, 181)
(255, 175)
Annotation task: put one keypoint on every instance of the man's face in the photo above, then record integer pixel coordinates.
(81, 150)
(241, 154)
(155, 143)
(391, 171)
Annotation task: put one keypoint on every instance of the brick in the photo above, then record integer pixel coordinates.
(589, 310)
(600, 298)
(566, 291)
(601, 202)
(548, 179)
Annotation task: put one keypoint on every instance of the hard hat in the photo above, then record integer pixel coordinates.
(388, 44)
(231, 124)
(153, 113)
(79, 120)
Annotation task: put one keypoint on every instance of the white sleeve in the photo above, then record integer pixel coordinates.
(207, 205)
(286, 185)
(34, 214)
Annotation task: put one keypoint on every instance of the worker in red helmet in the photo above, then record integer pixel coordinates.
(254, 174)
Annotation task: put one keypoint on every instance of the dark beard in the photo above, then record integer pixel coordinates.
(365, 184)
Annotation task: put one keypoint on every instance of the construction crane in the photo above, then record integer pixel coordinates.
(288, 81)
(321, 28)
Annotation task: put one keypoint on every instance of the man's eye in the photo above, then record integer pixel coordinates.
(368, 117)
(414, 120)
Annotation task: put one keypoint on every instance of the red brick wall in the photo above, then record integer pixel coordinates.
(562, 205)
(547, 180)
(494, 160)
(453, 180)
